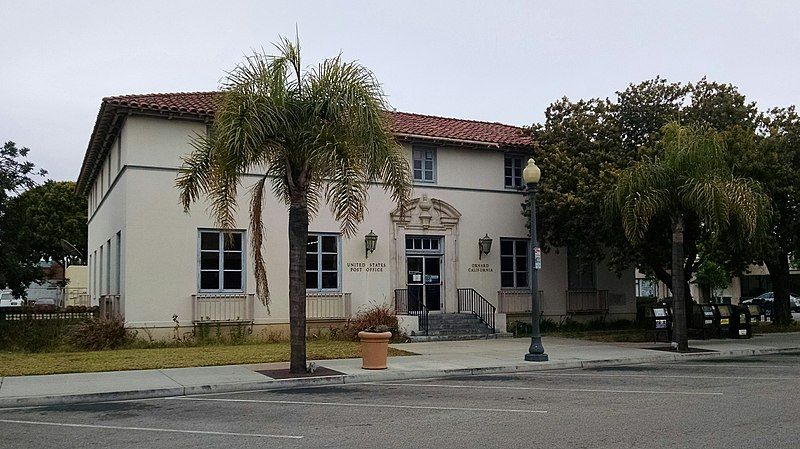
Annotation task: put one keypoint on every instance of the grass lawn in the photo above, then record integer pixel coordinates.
(772, 329)
(644, 335)
(620, 335)
(24, 364)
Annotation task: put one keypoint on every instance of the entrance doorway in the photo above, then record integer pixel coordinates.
(424, 272)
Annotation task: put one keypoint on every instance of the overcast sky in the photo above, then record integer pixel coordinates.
(486, 60)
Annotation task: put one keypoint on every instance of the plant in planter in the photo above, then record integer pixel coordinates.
(375, 347)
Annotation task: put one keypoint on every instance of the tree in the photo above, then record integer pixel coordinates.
(774, 161)
(316, 134)
(39, 221)
(711, 277)
(583, 147)
(17, 174)
(691, 181)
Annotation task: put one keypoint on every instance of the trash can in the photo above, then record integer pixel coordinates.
(725, 314)
(744, 327)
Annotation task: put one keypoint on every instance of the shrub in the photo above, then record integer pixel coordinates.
(548, 325)
(378, 318)
(34, 335)
(100, 333)
(570, 325)
(523, 328)
(596, 324)
(219, 333)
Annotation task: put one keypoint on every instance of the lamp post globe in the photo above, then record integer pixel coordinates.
(531, 175)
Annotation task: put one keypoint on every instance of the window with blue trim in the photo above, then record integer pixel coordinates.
(221, 261)
(424, 160)
(323, 262)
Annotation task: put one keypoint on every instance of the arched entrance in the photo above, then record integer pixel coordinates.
(425, 252)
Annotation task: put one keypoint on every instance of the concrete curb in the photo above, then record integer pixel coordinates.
(372, 376)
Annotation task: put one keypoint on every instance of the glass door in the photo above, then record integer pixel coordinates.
(424, 272)
(424, 282)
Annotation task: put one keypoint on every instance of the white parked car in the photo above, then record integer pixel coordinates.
(8, 300)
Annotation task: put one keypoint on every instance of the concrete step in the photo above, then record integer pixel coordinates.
(484, 330)
(472, 325)
(450, 316)
(421, 338)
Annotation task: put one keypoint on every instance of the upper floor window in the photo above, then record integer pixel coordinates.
(513, 172)
(424, 159)
(221, 264)
(323, 262)
(513, 263)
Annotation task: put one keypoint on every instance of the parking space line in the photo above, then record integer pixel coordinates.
(355, 404)
(653, 376)
(577, 390)
(151, 429)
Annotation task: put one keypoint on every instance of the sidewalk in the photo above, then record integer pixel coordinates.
(434, 359)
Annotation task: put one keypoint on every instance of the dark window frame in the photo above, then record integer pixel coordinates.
(577, 273)
(516, 269)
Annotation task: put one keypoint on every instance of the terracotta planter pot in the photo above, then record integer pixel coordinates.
(374, 349)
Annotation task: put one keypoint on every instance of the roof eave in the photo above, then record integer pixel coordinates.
(107, 127)
(459, 142)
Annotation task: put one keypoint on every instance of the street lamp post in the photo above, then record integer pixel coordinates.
(536, 353)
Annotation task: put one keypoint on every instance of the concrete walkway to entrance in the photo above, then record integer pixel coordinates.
(434, 359)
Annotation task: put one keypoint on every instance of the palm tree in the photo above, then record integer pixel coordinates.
(691, 181)
(316, 134)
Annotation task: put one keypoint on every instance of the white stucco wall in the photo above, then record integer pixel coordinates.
(160, 241)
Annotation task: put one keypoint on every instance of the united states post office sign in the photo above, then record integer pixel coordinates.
(363, 267)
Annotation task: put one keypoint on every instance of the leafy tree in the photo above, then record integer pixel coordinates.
(583, 147)
(17, 174)
(314, 135)
(774, 161)
(691, 181)
(711, 277)
(40, 220)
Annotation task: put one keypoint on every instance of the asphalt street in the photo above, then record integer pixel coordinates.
(726, 403)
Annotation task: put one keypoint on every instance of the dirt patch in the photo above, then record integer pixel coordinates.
(284, 373)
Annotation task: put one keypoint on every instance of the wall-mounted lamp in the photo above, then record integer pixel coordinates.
(370, 240)
(484, 245)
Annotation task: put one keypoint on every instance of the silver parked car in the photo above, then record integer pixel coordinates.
(768, 298)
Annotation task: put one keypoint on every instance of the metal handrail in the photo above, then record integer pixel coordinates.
(401, 307)
(470, 300)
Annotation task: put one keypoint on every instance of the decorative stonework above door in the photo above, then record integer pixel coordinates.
(426, 214)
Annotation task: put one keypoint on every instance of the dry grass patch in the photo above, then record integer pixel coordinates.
(24, 364)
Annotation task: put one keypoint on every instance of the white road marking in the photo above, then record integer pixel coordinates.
(354, 404)
(151, 429)
(578, 390)
(654, 376)
(722, 365)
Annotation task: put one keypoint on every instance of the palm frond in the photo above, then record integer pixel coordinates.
(691, 176)
(257, 241)
(194, 176)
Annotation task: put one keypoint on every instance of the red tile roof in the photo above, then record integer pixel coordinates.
(200, 105)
